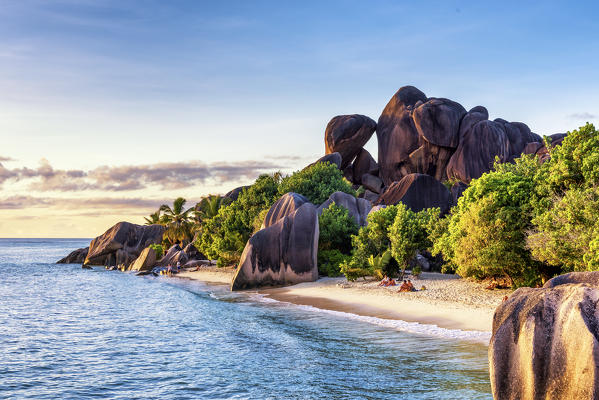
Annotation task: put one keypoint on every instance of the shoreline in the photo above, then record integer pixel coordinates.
(448, 302)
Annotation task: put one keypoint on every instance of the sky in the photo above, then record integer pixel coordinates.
(110, 108)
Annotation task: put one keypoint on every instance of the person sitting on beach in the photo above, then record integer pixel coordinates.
(385, 281)
(411, 286)
(391, 282)
(404, 287)
(178, 266)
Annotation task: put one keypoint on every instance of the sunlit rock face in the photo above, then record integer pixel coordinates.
(282, 254)
(545, 342)
(122, 243)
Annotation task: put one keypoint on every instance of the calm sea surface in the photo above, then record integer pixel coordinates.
(68, 333)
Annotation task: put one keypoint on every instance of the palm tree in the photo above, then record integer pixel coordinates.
(153, 218)
(208, 207)
(178, 221)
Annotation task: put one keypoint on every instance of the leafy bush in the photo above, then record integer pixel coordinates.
(334, 243)
(566, 214)
(158, 249)
(486, 232)
(409, 233)
(316, 182)
(371, 240)
(224, 236)
(329, 262)
(336, 228)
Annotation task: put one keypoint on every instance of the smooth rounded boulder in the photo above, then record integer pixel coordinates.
(477, 150)
(347, 134)
(357, 208)
(545, 342)
(122, 243)
(282, 254)
(284, 206)
(397, 135)
(438, 121)
(417, 192)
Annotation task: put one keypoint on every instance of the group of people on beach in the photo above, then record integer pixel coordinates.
(170, 269)
(406, 286)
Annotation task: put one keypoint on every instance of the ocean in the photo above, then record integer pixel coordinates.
(69, 333)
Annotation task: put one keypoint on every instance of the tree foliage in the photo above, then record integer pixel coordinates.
(317, 182)
(224, 236)
(334, 244)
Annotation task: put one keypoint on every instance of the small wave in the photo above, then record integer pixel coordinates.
(400, 325)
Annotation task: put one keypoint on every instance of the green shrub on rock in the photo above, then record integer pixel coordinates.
(317, 182)
(158, 249)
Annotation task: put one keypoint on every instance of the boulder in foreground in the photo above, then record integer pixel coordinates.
(545, 341)
(145, 261)
(282, 254)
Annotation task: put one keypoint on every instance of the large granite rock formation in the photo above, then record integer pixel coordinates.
(357, 208)
(286, 205)
(417, 192)
(347, 134)
(284, 253)
(397, 135)
(122, 243)
(175, 254)
(74, 257)
(545, 342)
(437, 137)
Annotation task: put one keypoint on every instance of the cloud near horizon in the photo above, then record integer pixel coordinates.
(118, 204)
(173, 175)
(584, 116)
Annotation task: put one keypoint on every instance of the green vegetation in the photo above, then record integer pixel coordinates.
(566, 215)
(409, 233)
(224, 236)
(158, 249)
(334, 244)
(316, 182)
(524, 221)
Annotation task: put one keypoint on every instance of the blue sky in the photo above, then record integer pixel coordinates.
(87, 84)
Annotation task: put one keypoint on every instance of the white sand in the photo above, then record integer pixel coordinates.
(448, 301)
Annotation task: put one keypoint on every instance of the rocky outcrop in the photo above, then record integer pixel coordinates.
(372, 183)
(175, 254)
(545, 342)
(397, 135)
(234, 194)
(284, 253)
(357, 208)
(347, 134)
(363, 164)
(122, 243)
(286, 205)
(333, 158)
(145, 262)
(417, 192)
(75, 257)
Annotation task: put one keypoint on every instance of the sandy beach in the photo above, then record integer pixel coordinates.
(448, 301)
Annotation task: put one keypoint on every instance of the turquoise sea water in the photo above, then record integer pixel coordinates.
(69, 333)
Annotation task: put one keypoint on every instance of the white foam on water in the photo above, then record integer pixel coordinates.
(400, 325)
